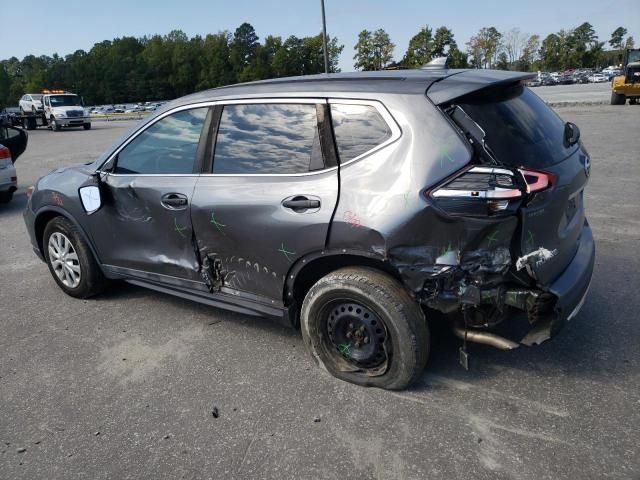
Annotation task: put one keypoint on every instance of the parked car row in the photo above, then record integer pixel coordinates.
(128, 108)
(570, 77)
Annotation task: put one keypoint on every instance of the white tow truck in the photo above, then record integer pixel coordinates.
(60, 109)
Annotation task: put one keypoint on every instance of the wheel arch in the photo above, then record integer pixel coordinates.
(312, 267)
(48, 213)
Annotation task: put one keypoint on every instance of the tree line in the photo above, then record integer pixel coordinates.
(163, 67)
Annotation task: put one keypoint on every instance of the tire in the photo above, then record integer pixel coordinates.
(5, 197)
(371, 304)
(617, 99)
(87, 126)
(55, 126)
(633, 101)
(91, 280)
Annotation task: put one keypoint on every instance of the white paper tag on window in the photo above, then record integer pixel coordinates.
(90, 197)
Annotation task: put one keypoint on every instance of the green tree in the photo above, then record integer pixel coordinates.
(441, 40)
(382, 49)
(243, 47)
(420, 50)
(617, 38)
(484, 47)
(364, 51)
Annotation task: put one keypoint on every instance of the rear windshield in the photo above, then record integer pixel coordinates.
(520, 128)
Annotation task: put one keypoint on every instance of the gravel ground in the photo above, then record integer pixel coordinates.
(124, 385)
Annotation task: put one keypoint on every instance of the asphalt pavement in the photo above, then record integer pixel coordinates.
(124, 385)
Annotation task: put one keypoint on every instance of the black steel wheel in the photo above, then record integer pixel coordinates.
(362, 326)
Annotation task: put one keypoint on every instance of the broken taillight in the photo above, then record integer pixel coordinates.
(536, 180)
(479, 191)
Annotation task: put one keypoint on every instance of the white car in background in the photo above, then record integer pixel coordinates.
(598, 78)
(31, 103)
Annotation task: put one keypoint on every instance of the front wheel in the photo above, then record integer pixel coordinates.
(55, 126)
(363, 327)
(70, 260)
(87, 126)
(618, 98)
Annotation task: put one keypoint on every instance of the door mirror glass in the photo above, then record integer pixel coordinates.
(90, 197)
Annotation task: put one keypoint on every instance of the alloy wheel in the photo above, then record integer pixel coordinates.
(64, 260)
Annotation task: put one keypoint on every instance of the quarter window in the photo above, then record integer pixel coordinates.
(166, 147)
(358, 129)
(268, 138)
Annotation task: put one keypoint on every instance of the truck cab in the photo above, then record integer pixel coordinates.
(64, 109)
(627, 85)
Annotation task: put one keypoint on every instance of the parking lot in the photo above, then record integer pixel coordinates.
(123, 385)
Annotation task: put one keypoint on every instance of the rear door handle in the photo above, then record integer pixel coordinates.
(174, 201)
(300, 203)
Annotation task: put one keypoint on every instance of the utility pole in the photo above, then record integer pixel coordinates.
(324, 39)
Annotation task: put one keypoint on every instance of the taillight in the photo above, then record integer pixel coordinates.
(4, 152)
(536, 180)
(479, 191)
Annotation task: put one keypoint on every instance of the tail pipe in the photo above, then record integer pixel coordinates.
(486, 338)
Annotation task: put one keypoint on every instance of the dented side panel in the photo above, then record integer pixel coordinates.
(134, 230)
(243, 230)
(393, 218)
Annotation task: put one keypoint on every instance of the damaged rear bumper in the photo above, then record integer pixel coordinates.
(570, 289)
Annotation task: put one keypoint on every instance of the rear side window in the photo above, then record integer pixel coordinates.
(166, 147)
(358, 129)
(519, 127)
(267, 139)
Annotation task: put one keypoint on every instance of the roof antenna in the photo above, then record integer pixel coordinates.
(438, 63)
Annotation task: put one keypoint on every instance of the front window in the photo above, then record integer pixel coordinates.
(65, 101)
(167, 147)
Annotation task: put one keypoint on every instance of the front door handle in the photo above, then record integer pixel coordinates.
(301, 204)
(174, 201)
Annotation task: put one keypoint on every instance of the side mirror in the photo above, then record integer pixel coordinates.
(571, 134)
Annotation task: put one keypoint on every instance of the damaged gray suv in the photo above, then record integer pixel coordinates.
(356, 206)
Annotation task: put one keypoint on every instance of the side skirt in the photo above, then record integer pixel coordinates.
(228, 299)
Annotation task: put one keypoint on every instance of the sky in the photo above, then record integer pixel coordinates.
(40, 27)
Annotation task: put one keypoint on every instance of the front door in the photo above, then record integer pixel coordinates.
(270, 196)
(145, 222)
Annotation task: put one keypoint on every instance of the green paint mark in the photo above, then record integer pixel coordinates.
(344, 349)
(179, 229)
(492, 238)
(444, 154)
(285, 252)
(216, 223)
(446, 250)
(530, 237)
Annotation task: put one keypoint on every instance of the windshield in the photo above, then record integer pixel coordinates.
(520, 128)
(65, 101)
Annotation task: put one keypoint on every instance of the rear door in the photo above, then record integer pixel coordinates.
(523, 132)
(269, 196)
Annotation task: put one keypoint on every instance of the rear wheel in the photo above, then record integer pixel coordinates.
(70, 260)
(363, 327)
(617, 98)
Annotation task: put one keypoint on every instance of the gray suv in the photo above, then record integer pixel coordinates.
(356, 206)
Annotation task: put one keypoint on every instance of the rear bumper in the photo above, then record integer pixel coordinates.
(571, 289)
(572, 285)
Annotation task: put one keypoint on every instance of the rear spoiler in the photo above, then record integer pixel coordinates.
(467, 81)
